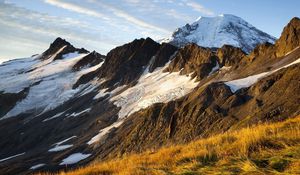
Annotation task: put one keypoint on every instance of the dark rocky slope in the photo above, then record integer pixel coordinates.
(212, 107)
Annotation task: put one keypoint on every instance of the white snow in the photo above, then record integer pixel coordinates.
(65, 140)
(244, 82)
(104, 131)
(53, 117)
(74, 114)
(59, 147)
(155, 87)
(13, 78)
(11, 157)
(70, 55)
(53, 80)
(101, 93)
(220, 30)
(104, 92)
(34, 167)
(74, 158)
(250, 80)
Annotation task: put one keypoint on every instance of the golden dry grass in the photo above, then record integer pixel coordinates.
(263, 149)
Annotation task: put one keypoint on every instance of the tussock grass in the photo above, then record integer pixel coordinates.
(262, 149)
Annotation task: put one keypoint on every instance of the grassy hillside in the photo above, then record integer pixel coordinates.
(263, 149)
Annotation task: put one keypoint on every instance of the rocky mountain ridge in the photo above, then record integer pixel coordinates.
(68, 102)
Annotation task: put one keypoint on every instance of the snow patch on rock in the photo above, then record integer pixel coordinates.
(11, 157)
(34, 167)
(250, 80)
(59, 147)
(74, 158)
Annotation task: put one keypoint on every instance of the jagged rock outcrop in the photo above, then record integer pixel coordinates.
(162, 56)
(289, 39)
(58, 44)
(229, 55)
(193, 59)
(125, 64)
(90, 60)
(9, 100)
(262, 51)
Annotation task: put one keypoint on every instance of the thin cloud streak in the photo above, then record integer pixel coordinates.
(200, 8)
(124, 15)
(77, 8)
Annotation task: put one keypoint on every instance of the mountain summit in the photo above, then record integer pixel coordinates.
(220, 30)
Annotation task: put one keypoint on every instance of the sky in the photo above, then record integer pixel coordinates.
(28, 27)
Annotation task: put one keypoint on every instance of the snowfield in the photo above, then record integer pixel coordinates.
(218, 31)
(155, 87)
(74, 158)
(48, 79)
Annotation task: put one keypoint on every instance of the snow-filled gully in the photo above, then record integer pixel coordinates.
(155, 87)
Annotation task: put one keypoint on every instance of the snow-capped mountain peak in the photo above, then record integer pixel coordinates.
(220, 30)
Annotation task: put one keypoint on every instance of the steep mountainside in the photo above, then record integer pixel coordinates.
(67, 107)
(263, 149)
(218, 31)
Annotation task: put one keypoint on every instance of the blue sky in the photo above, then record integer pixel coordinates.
(28, 26)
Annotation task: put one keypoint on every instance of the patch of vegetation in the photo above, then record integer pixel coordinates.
(262, 149)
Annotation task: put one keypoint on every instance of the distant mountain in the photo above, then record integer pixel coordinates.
(67, 106)
(218, 31)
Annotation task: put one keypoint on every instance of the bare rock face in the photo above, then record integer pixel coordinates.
(289, 39)
(124, 64)
(9, 100)
(229, 55)
(162, 56)
(57, 45)
(90, 60)
(193, 59)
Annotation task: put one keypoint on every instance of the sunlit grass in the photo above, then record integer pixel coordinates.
(263, 149)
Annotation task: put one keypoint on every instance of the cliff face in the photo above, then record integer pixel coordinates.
(289, 39)
(193, 59)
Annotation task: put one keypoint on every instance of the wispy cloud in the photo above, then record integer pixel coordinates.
(77, 8)
(20, 23)
(93, 24)
(130, 18)
(200, 8)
